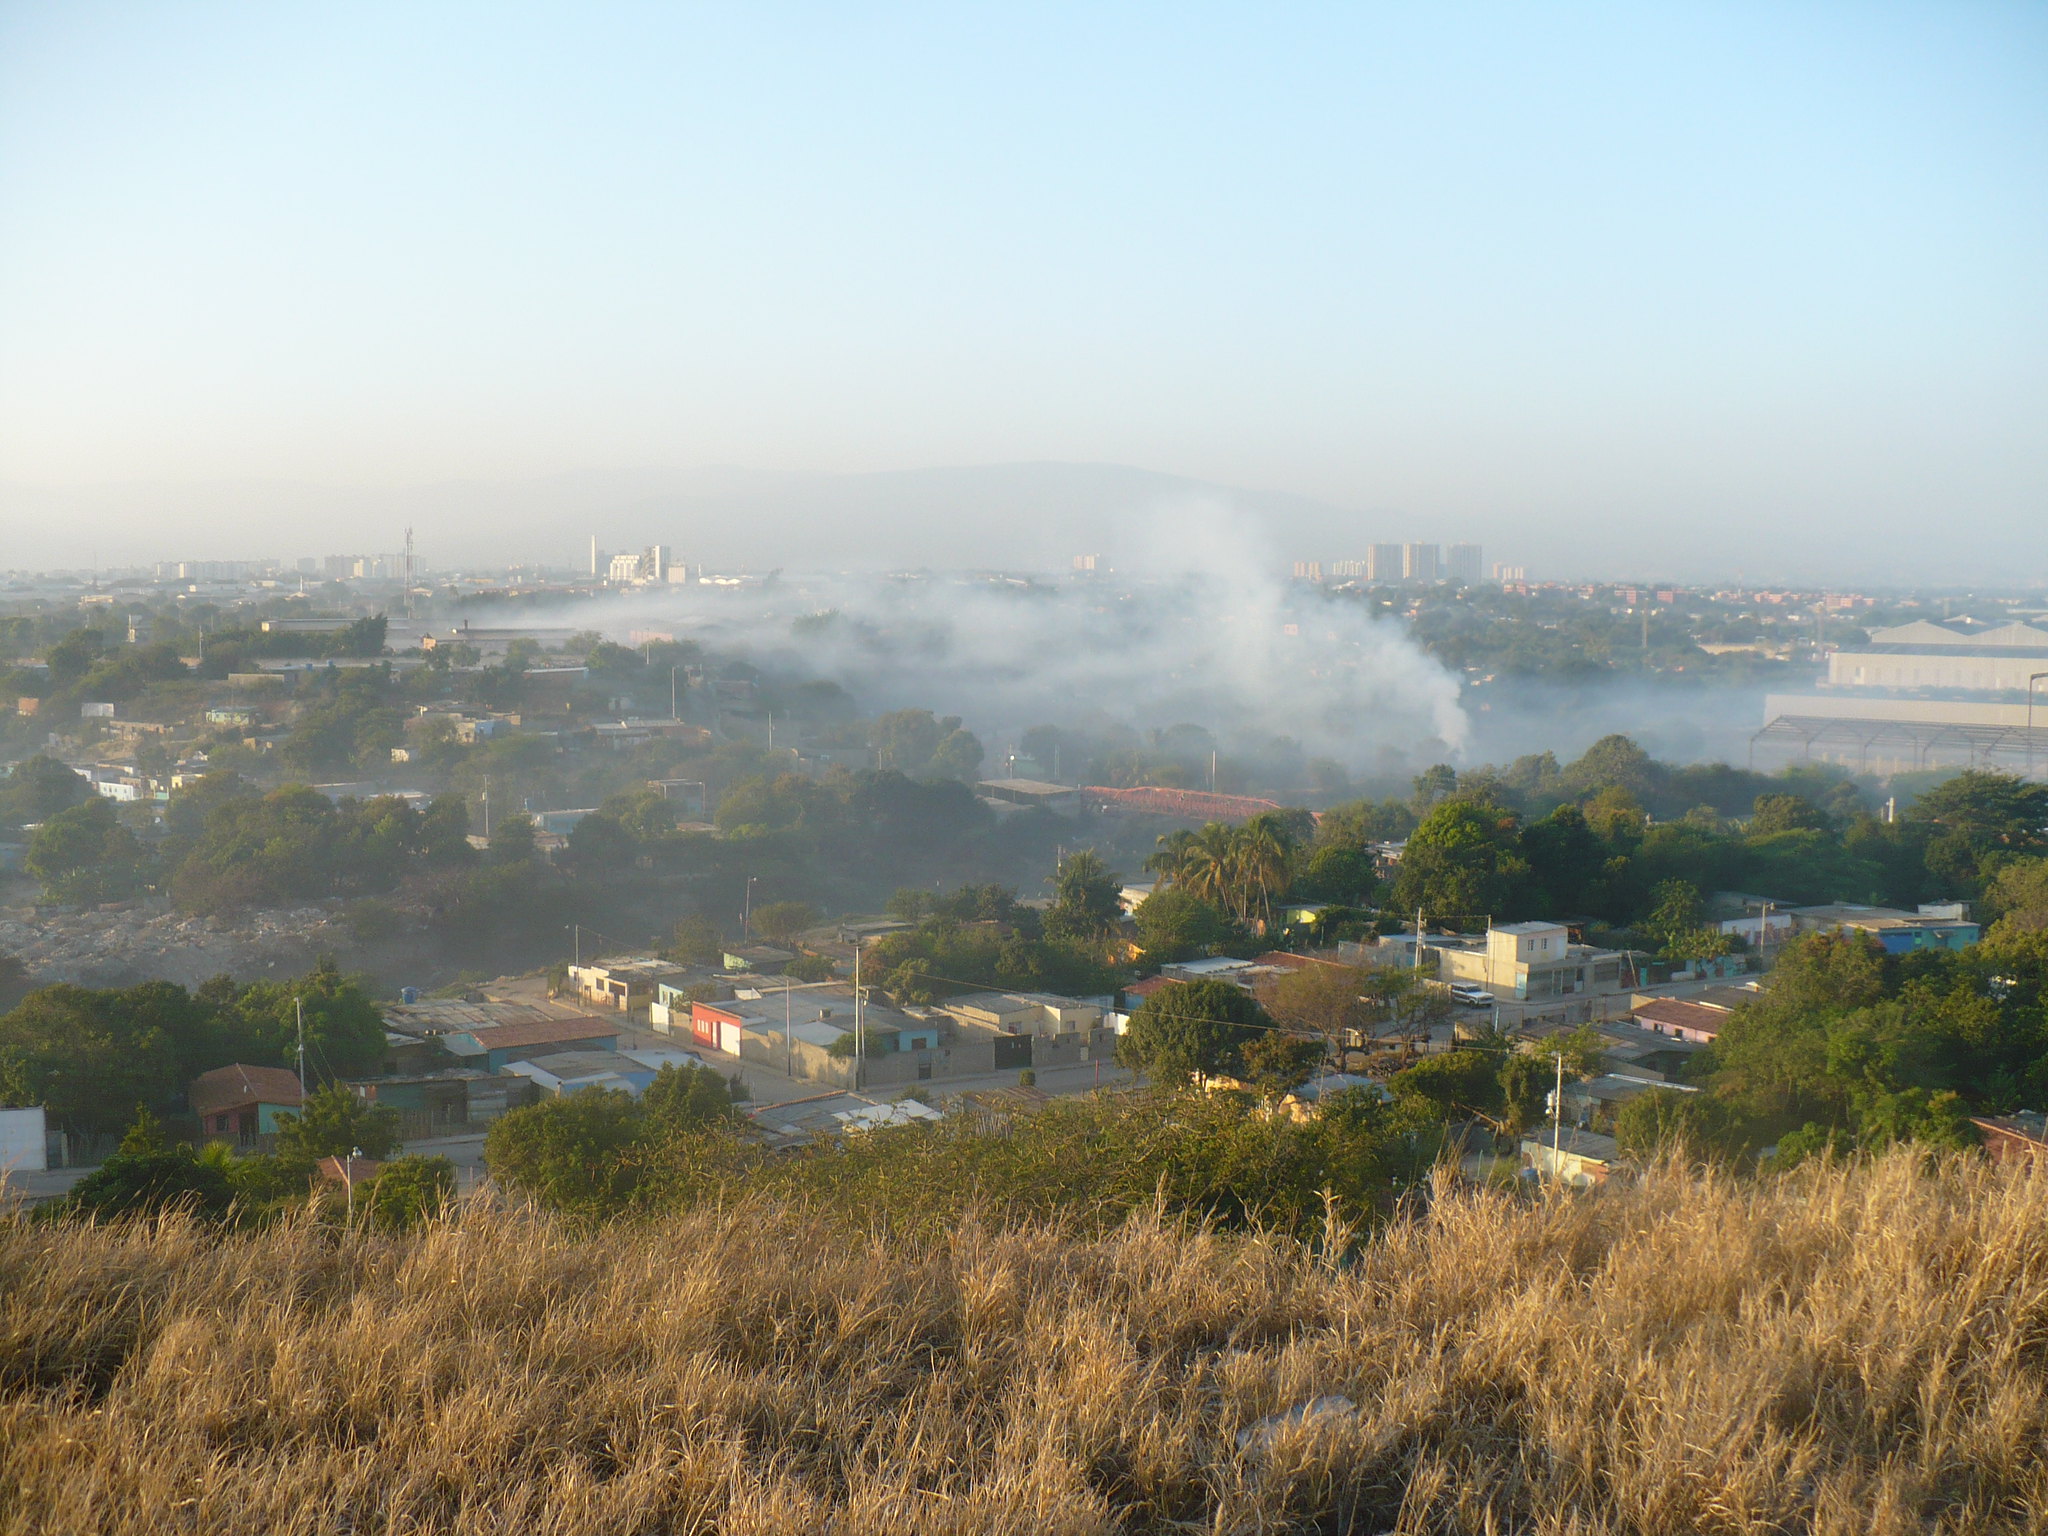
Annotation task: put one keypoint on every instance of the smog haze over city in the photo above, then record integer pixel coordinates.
(1656, 292)
(966, 769)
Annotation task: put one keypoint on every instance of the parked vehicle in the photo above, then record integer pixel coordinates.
(1472, 997)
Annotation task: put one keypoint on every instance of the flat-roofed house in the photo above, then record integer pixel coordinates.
(1526, 961)
(494, 1046)
(1682, 1019)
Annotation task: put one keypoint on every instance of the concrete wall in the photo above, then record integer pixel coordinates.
(24, 1141)
(970, 1055)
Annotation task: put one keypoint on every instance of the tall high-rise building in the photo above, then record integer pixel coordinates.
(1462, 564)
(1308, 570)
(1383, 562)
(1421, 562)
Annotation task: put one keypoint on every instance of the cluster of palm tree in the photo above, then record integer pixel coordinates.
(1240, 870)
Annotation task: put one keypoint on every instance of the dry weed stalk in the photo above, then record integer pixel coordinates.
(1848, 1350)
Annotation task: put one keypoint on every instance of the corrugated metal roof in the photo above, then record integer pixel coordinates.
(505, 1037)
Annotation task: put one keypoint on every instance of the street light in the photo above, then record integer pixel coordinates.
(348, 1179)
(747, 910)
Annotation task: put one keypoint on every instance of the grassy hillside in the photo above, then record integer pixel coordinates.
(1843, 1350)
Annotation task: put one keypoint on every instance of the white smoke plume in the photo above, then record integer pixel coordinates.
(1195, 625)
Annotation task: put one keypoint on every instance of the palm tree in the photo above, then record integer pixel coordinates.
(1170, 861)
(1210, 870)
(1261, 867)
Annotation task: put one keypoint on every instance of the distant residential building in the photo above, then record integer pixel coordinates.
(580, 1071)
(1462, 564)
(1022, 1013)
(1682, 1019)
(1421, 562)
(1383, 563)
(1578, 1159)
(764, 959)
(828, 1115)
(1533, 961)
(1597, 1098)
(623, 985)
(243, 1101)
(1899, 932)
(1015, 794)
(441, 1101)
(494, 1046)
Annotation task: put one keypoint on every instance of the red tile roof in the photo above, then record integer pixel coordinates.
(1149, 985)
(238, 1086)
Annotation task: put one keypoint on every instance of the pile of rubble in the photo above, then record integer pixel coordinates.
(146, 941)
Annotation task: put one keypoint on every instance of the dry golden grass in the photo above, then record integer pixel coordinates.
(1850, 1350)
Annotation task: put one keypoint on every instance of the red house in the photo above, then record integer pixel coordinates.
(241, 1101)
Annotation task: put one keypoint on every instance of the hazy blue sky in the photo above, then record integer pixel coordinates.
(1660, 271)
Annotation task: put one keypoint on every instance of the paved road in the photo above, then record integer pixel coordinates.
(21, 1189)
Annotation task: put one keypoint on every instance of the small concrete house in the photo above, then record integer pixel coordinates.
(491, 1046)
(243, 1101)
(1577, 1159)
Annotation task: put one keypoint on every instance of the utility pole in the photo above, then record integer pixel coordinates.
(348, 1179)
(1557, 1123)
(788, 1045)
(299, 1007)
(408, 573)
(859, 1033)
(1418, 939)
(674, 712)
(747, 910)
